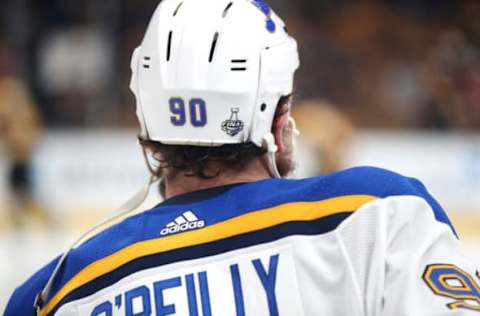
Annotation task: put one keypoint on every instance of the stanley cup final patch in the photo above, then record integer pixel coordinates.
(233, 125)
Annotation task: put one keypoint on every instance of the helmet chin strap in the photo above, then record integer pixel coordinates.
(272, 148)
(293, 125)
(147, 162)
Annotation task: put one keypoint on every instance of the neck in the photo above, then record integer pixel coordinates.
(180, 183)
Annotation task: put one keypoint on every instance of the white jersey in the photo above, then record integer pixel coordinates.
(363, 242)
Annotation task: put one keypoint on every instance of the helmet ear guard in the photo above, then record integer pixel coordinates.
(134, 82)
(275, 82)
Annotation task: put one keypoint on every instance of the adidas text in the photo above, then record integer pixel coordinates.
(182, 228)
(186, 221)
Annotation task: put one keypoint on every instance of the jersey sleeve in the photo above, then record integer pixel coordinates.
(406, 260)
(22, 300)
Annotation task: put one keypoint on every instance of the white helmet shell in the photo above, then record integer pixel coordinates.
(212, 72)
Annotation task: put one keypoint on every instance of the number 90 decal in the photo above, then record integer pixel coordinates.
(197, 109)
(450, 281)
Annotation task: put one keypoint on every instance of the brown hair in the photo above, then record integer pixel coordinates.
(196, 161)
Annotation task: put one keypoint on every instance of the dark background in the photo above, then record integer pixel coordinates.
(412, 64)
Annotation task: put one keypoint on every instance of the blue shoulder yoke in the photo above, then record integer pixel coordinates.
(219, 204)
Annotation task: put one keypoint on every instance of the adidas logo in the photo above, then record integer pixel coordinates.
(187, 221)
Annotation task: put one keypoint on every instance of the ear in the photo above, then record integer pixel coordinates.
(280, 121)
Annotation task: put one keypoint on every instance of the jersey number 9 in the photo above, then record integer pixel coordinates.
(450, 281)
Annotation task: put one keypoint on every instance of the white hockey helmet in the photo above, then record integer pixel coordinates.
(211, 72)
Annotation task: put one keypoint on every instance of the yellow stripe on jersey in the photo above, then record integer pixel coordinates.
(250, 222)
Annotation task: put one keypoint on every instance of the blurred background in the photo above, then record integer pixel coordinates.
(389, 83)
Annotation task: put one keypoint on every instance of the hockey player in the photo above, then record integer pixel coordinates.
(212, 81)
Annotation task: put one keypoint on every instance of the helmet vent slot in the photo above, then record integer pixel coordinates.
(214, 45)
(227, 8)
(169, 45)
(239, 65)
(177, 9)
(146, 62)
